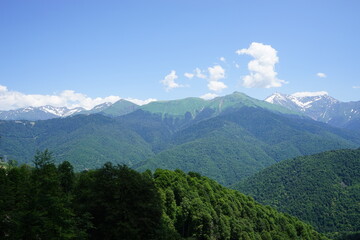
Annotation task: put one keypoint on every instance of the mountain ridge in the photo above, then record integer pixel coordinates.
(319, 106)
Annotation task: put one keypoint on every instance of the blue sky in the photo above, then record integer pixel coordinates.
(126, 48)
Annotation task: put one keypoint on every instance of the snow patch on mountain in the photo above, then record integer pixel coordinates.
(319, 106)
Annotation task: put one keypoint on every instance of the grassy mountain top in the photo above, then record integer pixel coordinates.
(120, 108)
(194, 106)
(322, 189)
(176, 108)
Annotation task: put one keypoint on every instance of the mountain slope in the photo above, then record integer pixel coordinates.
(322, 189)
(199, 208)
(96, 138)
(235, 145)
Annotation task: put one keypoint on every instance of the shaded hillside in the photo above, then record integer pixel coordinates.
(322, 189)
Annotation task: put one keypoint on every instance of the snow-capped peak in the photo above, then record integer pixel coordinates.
(102, 106)
(276, 97)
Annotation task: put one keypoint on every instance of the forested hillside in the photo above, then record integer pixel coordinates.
(227, 138)
(227, 147)
(116, 202)
(322, 189)
(237, 144)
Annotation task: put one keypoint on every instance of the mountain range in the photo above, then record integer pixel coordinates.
(318, 106)
(321, 107)
(227, 138)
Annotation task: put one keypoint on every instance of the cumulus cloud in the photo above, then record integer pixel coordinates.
(189, 75)
(321, 75)
(222, 59)
(262, 68)
(199, 74)
(215, 74)
(10, 100)
(216, 86)
(3, 89)
(209, 96)
(169, 81)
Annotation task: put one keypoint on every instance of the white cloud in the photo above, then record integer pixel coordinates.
(189, 75)
(10, 100)
(169, 81)
(216, 86)
(356, 87)
(262, 68)
(209, 96)
(3, 89)
(215, 74)
(222, 59)
(321, 75)
(237, 65)
(141, 102)
(199, 74)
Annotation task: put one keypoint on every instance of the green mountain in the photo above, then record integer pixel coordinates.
(119, 108)
(232, 138)
(237, 144)
(116, 202)
(322, 189)
(85, 141)
(192, 107)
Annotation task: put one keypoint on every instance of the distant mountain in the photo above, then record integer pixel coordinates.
(193, 107)
(38, 113)
(227, 138)
(319, 106)
(97, 109)
(118, 108)
(174, 109)
(322, 189)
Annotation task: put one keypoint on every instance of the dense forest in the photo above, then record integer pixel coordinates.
(115, 202)
(322, 189)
